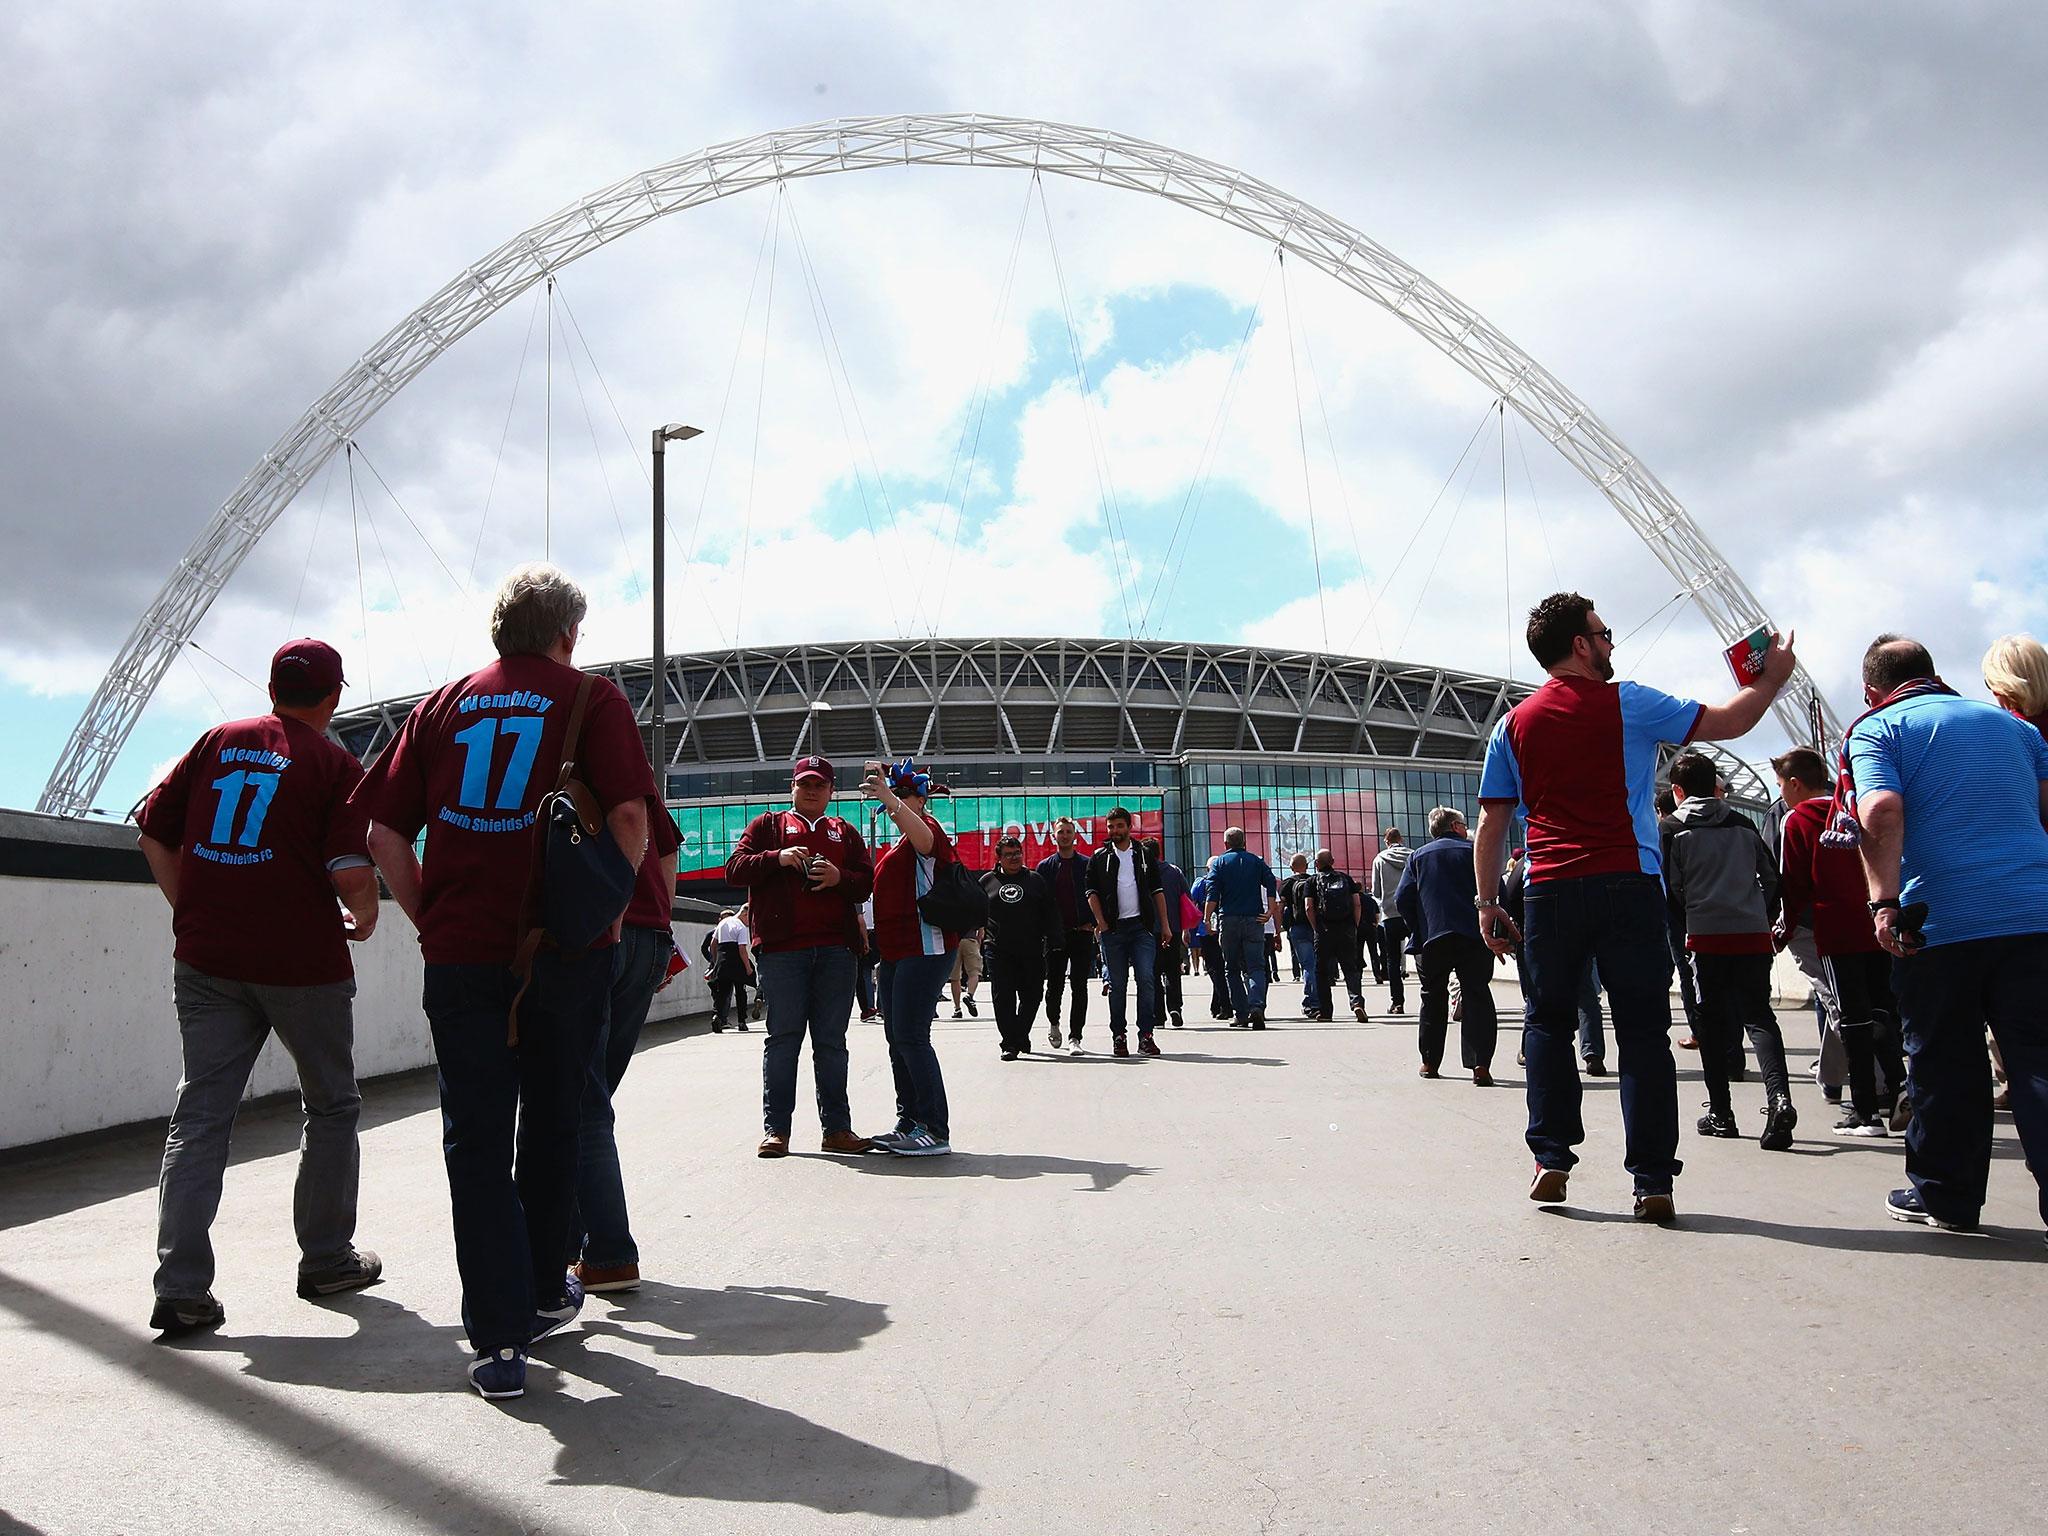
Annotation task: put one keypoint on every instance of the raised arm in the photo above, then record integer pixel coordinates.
(1739, 716)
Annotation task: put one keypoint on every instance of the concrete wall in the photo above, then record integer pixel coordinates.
(88, 1034)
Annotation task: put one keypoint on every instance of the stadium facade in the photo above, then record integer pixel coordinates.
(1301, 749)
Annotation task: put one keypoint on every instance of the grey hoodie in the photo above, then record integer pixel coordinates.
(1718, 871)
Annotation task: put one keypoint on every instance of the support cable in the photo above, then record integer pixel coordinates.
(1675, 612)
(312, 543)
(1522, 448)
(1443, 544)
(1308, 353)
(1507, 560)
(1098, 451)
(217, 661)
(362, 597)
(590, 424)
(760, 405)
(220, 709)
(404, 615)
(1301, 436)
(461, 590)
(1676, 597)
(547, 437)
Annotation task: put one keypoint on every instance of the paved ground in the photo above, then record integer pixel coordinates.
(1271, 1282)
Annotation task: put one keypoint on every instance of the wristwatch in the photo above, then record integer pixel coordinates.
(1481, 903)
(1879, 905)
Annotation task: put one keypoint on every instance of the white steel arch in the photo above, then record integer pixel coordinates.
(851, 144)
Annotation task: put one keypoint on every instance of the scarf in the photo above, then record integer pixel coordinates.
(1844, 829)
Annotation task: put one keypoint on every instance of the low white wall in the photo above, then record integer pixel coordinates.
(89, 1035)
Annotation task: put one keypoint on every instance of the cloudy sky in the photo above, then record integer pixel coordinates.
(1796, 257)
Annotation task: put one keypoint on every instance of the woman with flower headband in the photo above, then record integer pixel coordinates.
(916, 957)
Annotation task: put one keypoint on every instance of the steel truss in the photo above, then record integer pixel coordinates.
(852, 144)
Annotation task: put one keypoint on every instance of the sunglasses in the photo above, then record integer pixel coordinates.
(1601, 634)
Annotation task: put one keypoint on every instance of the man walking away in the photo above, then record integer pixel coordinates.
(1070, 966)
(251, 839)
(1023, 921)
(1299, 924)
(806, 872)
(1437, 902)
(732, 964)
(1946, 797)
(1129, 905)
(1723, 884)
(1173, 885)
(1580, 757)
(1211, 945)
(1243, 896)
(1386, 879)
(470, 767)
(1337, 904)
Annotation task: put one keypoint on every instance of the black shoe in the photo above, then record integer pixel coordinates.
(1717, 1122)
(741, 1026)
(1175, 1016)
(176, 1315)
(973, 1011)
(1009, 1055)
(1782, 1117)
(717, 1026)
(1596, 1067)
(1258, 1018)
(1396, 1008)
(359, 1269)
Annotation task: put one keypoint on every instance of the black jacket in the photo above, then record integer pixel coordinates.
(1102, 882)
(1023, 919)
(1049, 871)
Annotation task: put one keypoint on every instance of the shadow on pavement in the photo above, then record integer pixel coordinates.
(990, 1165)
(2009, 1245)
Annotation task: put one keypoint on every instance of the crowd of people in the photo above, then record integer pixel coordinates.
(1908, 879)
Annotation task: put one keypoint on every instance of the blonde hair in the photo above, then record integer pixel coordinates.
(2016, 671)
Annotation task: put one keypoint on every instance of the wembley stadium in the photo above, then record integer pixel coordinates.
(1301, 749)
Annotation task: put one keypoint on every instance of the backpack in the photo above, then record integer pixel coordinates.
(956, 903)
(1333, 893)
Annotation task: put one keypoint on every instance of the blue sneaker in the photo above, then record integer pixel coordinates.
(499, 1373)
(553, 1319)
(920, 1143)
(1906, 1205)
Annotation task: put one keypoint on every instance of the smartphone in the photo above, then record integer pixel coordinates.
(1912, 923)
(1746, 656)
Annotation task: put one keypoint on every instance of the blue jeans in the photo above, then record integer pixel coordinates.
(508, 1128)
(806, 989)
(1947, 995)
(910, 998)
(598, 1230)
(1592, 1031)
(1301, 938)
(1131, 947)
(1244, 964)
(1618, 921)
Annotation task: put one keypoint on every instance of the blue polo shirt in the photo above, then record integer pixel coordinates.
(1236, 883)
(1971, 777)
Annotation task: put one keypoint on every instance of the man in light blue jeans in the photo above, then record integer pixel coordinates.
(1243, 897)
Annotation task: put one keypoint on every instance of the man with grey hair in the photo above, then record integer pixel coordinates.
(1437, 902)
(470, 767)
(1387, 868)
(1242, 897)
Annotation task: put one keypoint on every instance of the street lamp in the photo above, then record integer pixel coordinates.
(674, 432)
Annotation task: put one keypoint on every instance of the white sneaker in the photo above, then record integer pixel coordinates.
(1074, 1048)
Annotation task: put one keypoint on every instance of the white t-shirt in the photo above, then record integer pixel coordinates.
(1126, 864)
(731, 930)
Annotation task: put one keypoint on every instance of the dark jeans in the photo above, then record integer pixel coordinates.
(1244, 964)
(1681, 962)
(1479, 1027)
(1592, 1028)
(1394, 934)
(1947, 996)
(1128, 949)
(1014, 987)
(1302, 944)
(222, 1026)
(1337, 953)
(1618, 920)
(1167, 966)
(806, 989)
(1072, 968)
(598, 1228)
(1869, 1021)
(910, 1000)
(508, 1128)
(1371, 938)
(1735, 998)
(1219, 982)
(728, 982)
(864, 977)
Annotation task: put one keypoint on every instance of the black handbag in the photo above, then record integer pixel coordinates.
(956, 903)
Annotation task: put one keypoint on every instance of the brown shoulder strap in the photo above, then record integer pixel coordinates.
(574, 740)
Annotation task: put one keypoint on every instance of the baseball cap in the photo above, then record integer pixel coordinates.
(814, 768)
(309, 665)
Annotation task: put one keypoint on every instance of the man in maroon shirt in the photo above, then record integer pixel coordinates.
(252, 839)
(470, 766)
(806, 872)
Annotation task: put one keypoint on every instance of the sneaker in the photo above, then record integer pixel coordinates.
(1009, 1055)
(1658, 1208)
(920, 1142)
(1853, 1125)
(554, 1319)
(1906, 1205)
(888, 1141)
(1901, 1117)
(1481, 1078)
(741, 1026)
(1120, 1049)
(774, 1144)
(1427, 1071)
(1397, 1008)
(1780, 1119)
(759, 1009)
(869, 1016)
(499, 1373)
(972, 1011)
(1147, 1046)
(175, 1315)
(1052, 1038)
(359, 1269)
(1358, 1013)
(1258, 1018)
(1175, 1017)
(1717, 1122)
(602, 1279)
(1240, 1023)
(1688, 1043)
(956, 1011)
(845, 1142)
(1596, 1066)
(717, 1028)
(1313, 1015)
(1549, 1185)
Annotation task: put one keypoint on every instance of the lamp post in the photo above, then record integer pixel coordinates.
(663, 436)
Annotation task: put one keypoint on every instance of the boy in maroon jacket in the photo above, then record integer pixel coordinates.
(806, 872)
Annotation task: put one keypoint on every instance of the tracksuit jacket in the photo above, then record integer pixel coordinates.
(1720, 878)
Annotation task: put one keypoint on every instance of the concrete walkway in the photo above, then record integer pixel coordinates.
(1271, 1282)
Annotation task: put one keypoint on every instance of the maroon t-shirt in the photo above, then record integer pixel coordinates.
(470, 765)
(257, 810)
(652, 903)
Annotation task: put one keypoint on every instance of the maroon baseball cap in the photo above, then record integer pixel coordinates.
(814, 768)
(308, 665)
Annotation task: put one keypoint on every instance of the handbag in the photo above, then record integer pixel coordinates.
(581, 883)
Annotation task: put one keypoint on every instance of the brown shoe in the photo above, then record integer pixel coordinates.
(1548, 1188)
(1482, 1078)
(1657, 1208)
(773, 1145)
(1427, 1071)
(598, 1278)
(1688, 1043)
(844, 1141)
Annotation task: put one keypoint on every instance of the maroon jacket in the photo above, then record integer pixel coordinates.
(787, 914)
(1822, 886)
